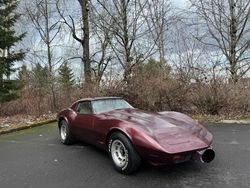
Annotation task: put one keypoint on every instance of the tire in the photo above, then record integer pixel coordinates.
(65, 134)
(124, 157)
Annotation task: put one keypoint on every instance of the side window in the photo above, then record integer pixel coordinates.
(84, 107)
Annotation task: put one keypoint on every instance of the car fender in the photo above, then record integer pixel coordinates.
(66, 115)
(138, 138)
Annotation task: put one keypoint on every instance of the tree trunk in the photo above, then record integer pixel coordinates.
(161, 48)
(233, 40)
(127, 63)
(49, 57)
(85, 42)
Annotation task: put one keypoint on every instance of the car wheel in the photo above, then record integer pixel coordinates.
(65, 135)
(125, 159)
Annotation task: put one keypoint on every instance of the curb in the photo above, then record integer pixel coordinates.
(235, 121)
(27, 126)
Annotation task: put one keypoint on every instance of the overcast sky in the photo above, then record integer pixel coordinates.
(176, 3)
(179, 3)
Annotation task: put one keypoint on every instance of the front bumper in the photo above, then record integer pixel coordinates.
(161, 158)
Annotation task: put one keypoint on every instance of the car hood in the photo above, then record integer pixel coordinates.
(167, 128)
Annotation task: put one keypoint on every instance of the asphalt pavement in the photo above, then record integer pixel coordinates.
(36, 158)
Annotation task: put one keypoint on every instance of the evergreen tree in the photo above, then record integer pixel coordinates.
(40, 78)
(155, 69)
(66, 80)
(8, 40)
(66, 76)
(39, 85)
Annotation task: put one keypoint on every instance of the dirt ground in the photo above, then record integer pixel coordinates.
(11, 122)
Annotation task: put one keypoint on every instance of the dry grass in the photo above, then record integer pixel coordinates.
(10, 122)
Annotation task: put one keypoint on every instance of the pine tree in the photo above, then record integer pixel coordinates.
(8, 40)
(155, 69)
(39, 85)
(66, 80)
(66, 76)
(40, 78)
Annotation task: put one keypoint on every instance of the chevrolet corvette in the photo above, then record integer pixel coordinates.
(131, 136)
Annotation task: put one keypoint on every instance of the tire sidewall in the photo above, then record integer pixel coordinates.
(128, 166)
(67, 139)
(126, 151)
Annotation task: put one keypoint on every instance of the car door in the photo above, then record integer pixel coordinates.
(84, 121)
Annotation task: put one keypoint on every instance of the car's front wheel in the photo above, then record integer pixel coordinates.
(65, 134)
(125, 158)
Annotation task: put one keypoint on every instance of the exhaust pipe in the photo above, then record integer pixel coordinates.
(206, 156)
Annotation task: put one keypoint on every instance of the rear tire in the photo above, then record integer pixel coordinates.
(65, 134)
(124, 157)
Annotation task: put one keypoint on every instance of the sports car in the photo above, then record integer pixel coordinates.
(131, 136)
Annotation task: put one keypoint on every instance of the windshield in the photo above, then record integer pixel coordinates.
(106, 105)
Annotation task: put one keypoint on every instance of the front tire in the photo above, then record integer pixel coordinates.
(65, 134)
(125, 158)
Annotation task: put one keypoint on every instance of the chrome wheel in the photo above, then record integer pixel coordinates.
(63, 132)
(119, 153)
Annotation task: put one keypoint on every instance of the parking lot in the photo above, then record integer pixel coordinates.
(36, 158)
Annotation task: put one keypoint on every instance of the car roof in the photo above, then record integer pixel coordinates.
(97, 98)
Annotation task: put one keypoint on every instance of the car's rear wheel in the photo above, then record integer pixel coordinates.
(125, 158)
(65, 134)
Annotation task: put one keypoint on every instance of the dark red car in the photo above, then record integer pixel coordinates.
(131, 135)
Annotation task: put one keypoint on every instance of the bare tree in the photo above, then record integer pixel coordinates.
(82, 38)
(128, 25)
(187, 55)
(159, 17)
(48, 27)
(227, 28)
(102, 54)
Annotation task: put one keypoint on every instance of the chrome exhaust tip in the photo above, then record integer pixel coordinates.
(206, 156)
